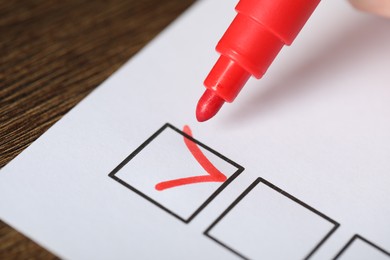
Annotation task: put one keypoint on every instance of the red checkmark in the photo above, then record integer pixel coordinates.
(213, 174)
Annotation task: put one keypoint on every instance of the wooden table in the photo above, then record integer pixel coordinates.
(53, 53)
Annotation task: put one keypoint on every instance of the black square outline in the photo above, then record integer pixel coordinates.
(150, 139)
(355, 237)
(246, 192)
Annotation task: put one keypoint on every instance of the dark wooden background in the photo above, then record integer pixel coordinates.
(52, 54)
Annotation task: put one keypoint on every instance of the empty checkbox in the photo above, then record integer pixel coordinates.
(265, 222)
(360, 248)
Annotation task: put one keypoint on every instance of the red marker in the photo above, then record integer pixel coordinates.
(252, 41)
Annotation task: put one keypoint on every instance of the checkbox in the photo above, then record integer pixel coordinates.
(265, 222)
(360, 248)
(176, 172)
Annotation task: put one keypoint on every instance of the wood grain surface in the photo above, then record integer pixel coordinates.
(53, 53)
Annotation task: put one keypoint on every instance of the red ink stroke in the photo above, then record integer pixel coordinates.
(214, 175)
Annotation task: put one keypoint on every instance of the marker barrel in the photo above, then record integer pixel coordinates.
(253, 40)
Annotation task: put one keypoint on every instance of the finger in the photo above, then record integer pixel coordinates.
(381, 7)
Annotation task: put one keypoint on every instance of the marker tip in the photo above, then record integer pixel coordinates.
(208, 105)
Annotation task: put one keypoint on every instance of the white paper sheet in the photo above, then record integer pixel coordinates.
(305, 152)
